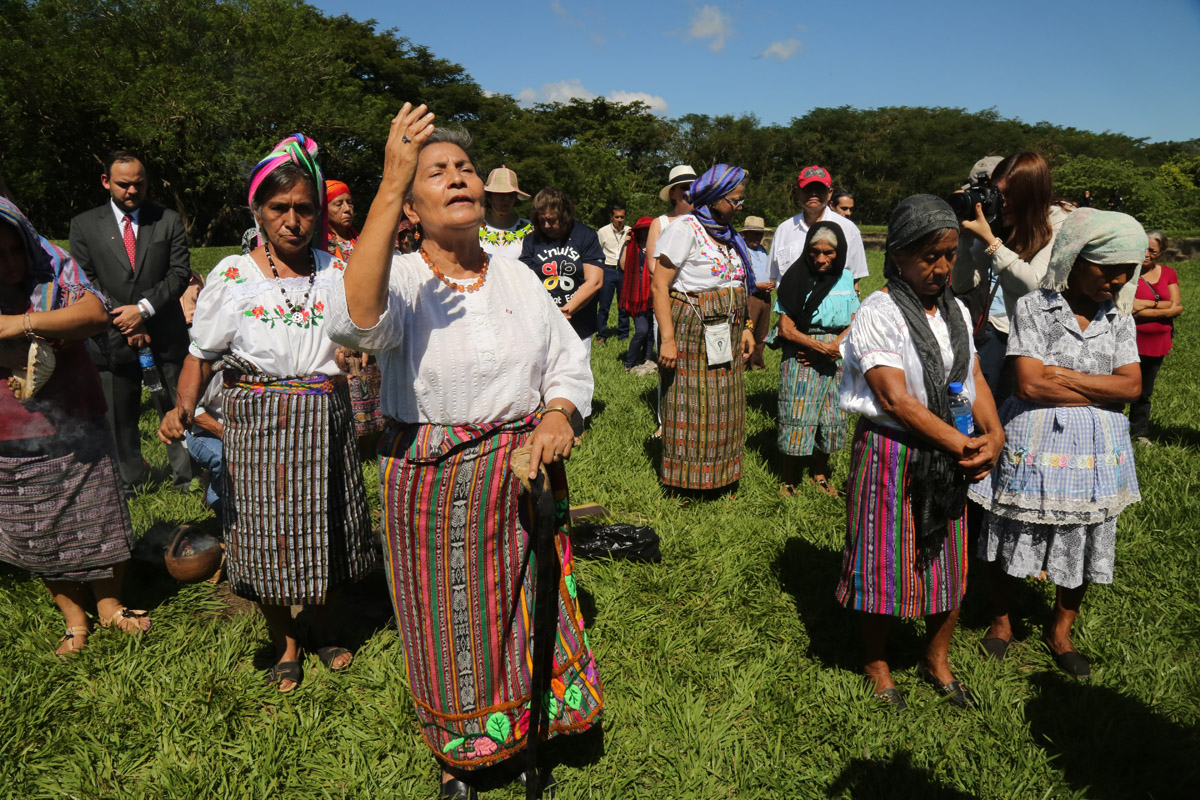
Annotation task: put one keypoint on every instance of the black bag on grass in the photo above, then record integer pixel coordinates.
(619, 541)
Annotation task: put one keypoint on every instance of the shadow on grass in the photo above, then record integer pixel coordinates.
(1175, 435)
(765, 402)
(810, 574)
(1112, 745)
(765, 443)
(864, 779)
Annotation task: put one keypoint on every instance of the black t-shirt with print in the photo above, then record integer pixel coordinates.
(558, 263)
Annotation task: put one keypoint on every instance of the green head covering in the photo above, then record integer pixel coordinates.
(1102, 237)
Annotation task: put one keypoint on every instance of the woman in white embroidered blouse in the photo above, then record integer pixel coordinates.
(700, 288)
(295, 514)
(477, 361)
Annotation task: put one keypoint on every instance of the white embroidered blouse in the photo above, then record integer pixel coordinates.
(242, 311)
(456, 358)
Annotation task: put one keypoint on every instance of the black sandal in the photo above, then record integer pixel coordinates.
(329, 653)
(286, 671)
(955, 692)
(454, 789)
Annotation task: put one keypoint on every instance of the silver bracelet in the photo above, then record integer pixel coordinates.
(993, 247)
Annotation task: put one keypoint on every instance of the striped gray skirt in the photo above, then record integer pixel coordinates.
(296, 519)
(62, 516)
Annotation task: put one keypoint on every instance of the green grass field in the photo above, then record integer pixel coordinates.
(729, 669)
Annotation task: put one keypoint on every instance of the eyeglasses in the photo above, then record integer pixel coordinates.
(734, 203)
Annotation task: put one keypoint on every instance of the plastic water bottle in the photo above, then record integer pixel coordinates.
(150, 375)
(960, 409)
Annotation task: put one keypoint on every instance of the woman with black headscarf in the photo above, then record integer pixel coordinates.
(906, 549)
(817, 302)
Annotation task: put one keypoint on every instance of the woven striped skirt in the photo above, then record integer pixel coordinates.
(296, 521)
(62, 516)
(703, 407)
(456, 539)
(809, 416)
(879, 572)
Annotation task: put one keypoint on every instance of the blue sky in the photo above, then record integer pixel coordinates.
(1100, 65)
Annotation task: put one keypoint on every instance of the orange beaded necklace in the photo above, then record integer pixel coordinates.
(474, 287)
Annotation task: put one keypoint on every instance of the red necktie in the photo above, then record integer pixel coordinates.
(130, 241)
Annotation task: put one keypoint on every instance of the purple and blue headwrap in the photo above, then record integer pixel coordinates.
(53, 279)
(710, 187)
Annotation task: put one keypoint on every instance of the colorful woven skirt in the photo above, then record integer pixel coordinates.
(364, 384)
(809, 416)
(879, 572)
(703, 407)
(62, 516)
(456, 540)
(296, 521)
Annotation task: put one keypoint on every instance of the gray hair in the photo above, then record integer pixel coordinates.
(1159, 237)
(455, 136)
(824, 236)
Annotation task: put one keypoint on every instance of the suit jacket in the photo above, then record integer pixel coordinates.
(161, 272)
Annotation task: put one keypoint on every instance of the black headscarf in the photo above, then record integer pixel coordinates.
(939, 488)
(803, 288)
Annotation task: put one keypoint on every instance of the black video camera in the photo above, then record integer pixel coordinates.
(983, 193)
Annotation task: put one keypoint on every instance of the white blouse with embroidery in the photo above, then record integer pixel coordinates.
(456, 358)
(241, 311)
(701, 264)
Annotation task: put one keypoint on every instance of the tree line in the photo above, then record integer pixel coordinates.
(203, 88)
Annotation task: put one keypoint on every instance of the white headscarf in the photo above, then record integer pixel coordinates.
(1101, 237)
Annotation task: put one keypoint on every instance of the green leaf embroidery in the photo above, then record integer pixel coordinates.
(498, 727)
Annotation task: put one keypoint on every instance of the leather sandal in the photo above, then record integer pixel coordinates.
(73, 632)
(891, 697)
(1071, 662)
(123, 618)
(995, 647)
(454, 789)
(286, 671)
(787, 490)
(824, 485)
(330, 653)
(954, 691)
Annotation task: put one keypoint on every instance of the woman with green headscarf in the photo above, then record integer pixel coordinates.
(1067, 469)
(295, 509)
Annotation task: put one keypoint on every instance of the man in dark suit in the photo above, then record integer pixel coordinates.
(137, 254)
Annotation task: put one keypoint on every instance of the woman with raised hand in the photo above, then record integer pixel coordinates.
(700, 288)
(295, 509)
(1067, 470)
(906, 500)
(817, 303)
(64, 519)
(477, 361)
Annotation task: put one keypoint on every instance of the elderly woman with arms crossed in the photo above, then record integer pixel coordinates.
(1067, 469)
(906, 500)
(295, 510)
(64, 519)
(477, 361)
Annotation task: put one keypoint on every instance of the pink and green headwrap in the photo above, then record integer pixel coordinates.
(300, 150)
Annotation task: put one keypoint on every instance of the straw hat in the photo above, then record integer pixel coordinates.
(679, 174)
(503, 180)
(754, 225)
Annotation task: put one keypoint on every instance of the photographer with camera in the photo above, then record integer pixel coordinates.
(1012, 221)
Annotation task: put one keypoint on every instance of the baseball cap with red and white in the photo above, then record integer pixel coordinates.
(814, 174)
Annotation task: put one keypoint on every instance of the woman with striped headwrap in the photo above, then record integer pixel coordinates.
(700, 289)
(295, 511)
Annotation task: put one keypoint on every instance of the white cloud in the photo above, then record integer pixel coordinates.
(783, 50)
(564, 16)
(709, 23)
(565, 91)
(657, 104)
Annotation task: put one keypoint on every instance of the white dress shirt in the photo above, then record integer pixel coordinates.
(788, 244)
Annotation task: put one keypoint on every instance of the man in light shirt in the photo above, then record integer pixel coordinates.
(813, 189)
(612, 240)
(842, 202)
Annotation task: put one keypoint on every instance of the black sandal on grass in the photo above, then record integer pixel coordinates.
(995, 647)
(454, 789)
(955, 691)
(1071, 662)
(330, 653)
(286, 671)
(891, 697)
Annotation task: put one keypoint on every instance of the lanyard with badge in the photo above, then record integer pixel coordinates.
(718, 336)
